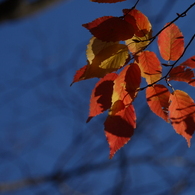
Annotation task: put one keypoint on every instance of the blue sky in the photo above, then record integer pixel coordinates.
(42, 118)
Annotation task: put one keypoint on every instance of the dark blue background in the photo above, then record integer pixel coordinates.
(42, 118)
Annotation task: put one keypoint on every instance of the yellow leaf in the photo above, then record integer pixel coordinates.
(118, 54)
(95, 46)
(137, 44)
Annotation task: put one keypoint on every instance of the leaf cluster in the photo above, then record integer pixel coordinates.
(120, 44)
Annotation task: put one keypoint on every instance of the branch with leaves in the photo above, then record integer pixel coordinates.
(116, 92)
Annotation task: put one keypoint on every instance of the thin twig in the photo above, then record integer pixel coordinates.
(135, 5)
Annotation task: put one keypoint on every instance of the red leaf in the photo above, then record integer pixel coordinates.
(143, 30)
(109, 28)
(150, 66)
(107, 1)
(79, 74)
(182, 114)
(140, 23)
(120, 127)
(101, 95)
(171, 43)
(158, 100)
(192, 82)
(189, 62)
(133, 80)
(182, 73)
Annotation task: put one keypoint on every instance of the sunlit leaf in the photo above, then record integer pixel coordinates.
(143, 25)
(118, 54)
(143, 30)
(182, 114)
(106, 61)
(95, 46)
(107, 1)
(101, 95)
(171, 43)
(120, 92)
(120, 124)
(150, 66)
(109, 28)
(119, 127)
(158, 100)
(182, 73)
(137, 44)
(189, 62)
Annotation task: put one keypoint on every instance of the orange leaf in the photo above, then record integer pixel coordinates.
(107, 1)
(133, 80)
(150, 66)
(182, 114)
(143, 30)
(79, 74)
(192, 82)
(142, 23)
(119, 92)
(101, 95)
(189, 62)
(158, 100)
(182, 73)
(120, 127)
(109, 28)
(171, 43)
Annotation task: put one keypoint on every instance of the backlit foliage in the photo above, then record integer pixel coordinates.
(120, 44)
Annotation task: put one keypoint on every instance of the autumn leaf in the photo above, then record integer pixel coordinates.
(182, 114)
(133, 80)
(143, 30)
(119, 91)
(189, 62)
(119, 127)
(182, 73)
(101, 95)
(107, 1)
(120, 124)
(95, 46)
(109, 59)
(142, 24)
(107, 55)
(192, 82)
(171, 43)
(158, 100)
(150, 66)
(109, 28)
(79, 74)
(118, 57)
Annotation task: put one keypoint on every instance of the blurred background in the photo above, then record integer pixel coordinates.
(46, 146)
